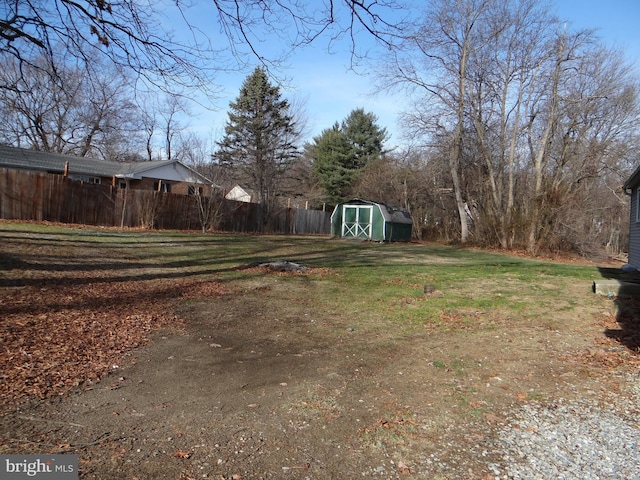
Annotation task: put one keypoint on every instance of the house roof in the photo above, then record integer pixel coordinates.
(633, 180)
(21, 158)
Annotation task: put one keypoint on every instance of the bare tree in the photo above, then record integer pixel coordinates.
(433, 62)
(531, 119)
(149, 125)
(578, 133)
(406, 180)
(517, 34)
(209, 201)
(162, 126)
(67, 113)
(136, 35)
(171, 108)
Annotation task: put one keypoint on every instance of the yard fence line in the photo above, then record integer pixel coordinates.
(39, 196)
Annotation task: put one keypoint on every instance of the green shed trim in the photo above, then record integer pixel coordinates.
(371, 221)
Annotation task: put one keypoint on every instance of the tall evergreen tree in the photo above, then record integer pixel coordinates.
(340, 153)
(332, 163)
(365, 137)
(259, 139)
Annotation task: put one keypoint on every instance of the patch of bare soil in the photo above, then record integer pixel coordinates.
(258, 383)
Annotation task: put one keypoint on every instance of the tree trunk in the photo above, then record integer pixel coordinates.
(454, 165)
(541, 153)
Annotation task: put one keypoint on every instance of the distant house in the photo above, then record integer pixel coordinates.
(371, 221)
(632, 188)
(163, 175)
(239, 194)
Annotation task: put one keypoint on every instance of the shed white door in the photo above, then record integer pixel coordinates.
(356, 220)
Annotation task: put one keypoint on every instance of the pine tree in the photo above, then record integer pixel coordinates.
(340, 153)
(332, 158)
(365, 136)
(259, 139)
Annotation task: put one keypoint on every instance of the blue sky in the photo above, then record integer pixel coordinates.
(617, 21)
(330, 91)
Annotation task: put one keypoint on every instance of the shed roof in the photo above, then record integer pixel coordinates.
(13, 157)
(389, 212)
(395, 214)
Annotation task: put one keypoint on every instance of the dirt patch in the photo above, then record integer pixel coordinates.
(259, 381)
(56, 334)
(261, 386)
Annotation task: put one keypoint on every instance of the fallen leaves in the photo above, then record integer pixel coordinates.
(403, 468)
(60, 334)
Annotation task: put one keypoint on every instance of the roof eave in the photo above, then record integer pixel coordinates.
(633, 180)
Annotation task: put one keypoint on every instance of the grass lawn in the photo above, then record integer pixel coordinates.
(187, 352)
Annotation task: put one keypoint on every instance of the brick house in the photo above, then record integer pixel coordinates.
(170, 176)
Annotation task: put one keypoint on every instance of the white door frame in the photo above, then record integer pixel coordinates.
(357, 229)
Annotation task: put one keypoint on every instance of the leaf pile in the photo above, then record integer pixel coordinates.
(620, 345)
(59, 334)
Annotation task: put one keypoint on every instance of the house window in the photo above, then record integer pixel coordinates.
(637, 194)
(192, 190)
(86, 179)
(122, 185)
(160, 186)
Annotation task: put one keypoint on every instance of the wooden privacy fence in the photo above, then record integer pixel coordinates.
(40, 196)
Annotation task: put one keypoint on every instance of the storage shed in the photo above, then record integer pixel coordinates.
(371, 221)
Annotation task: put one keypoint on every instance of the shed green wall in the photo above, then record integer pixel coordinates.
(398, 232)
